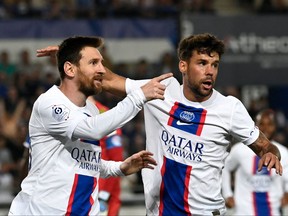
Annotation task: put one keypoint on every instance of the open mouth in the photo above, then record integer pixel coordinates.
(98, 81)
(207, 84)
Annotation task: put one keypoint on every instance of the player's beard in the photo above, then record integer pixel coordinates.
(199, 92)
(87, 85)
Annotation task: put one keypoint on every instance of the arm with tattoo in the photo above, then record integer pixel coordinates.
(269, 154)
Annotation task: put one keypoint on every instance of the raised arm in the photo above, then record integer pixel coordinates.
(101, 125)
(112, 82)
(49, 51)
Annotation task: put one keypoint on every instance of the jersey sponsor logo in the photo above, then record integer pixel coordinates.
(60, 112)
(182, 147)
(86, 114)
(187, 118)
(180, 123)
(88, 159)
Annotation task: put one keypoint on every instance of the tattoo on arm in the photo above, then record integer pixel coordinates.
(262, 145)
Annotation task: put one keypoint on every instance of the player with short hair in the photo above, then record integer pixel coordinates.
(189, 133)
(65, 129)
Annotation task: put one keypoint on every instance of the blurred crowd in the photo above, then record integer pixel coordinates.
(67, 9)
(20, 84)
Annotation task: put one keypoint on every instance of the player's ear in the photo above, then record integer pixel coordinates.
(69, 69)
(182, 66)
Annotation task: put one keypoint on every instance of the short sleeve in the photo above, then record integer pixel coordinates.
(243, 128)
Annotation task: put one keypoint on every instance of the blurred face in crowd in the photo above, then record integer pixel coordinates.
(90, 71)
(199, 75)
(266, 123)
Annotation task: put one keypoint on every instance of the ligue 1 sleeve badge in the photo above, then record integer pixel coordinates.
(60, 112)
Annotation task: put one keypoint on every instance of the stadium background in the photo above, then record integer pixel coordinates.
(140, 42)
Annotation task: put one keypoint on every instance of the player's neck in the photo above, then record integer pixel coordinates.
(73, 94)
(195, 97)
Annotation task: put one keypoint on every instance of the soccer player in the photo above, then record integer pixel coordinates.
(111, 149)
(65, 129)
(255, 193)
(189, 133)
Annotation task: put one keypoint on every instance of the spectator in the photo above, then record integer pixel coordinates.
(6, 65)
(25, 66)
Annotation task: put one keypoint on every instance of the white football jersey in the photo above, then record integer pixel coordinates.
(189, 141)
(66, 155)
(256, 193)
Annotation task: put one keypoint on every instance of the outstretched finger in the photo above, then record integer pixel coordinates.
(163, 77)
(40, 54)
(47, 51)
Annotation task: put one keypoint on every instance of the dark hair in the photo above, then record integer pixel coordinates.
(202, 43)
(70, 48)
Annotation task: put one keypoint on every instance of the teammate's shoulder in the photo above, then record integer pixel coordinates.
(225, 99)
(170, 81)
(229, 97)
(233, 98)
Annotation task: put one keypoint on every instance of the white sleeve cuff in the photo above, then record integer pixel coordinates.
(128, 85)
(110, 168)
(131, 85)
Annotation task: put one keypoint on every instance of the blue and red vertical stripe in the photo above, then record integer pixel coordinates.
(261, 200)
(174, 188)
(80, 201)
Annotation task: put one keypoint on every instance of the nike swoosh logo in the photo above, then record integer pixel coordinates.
(182, 123)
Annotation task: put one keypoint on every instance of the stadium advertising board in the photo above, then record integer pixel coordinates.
(256, 46)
